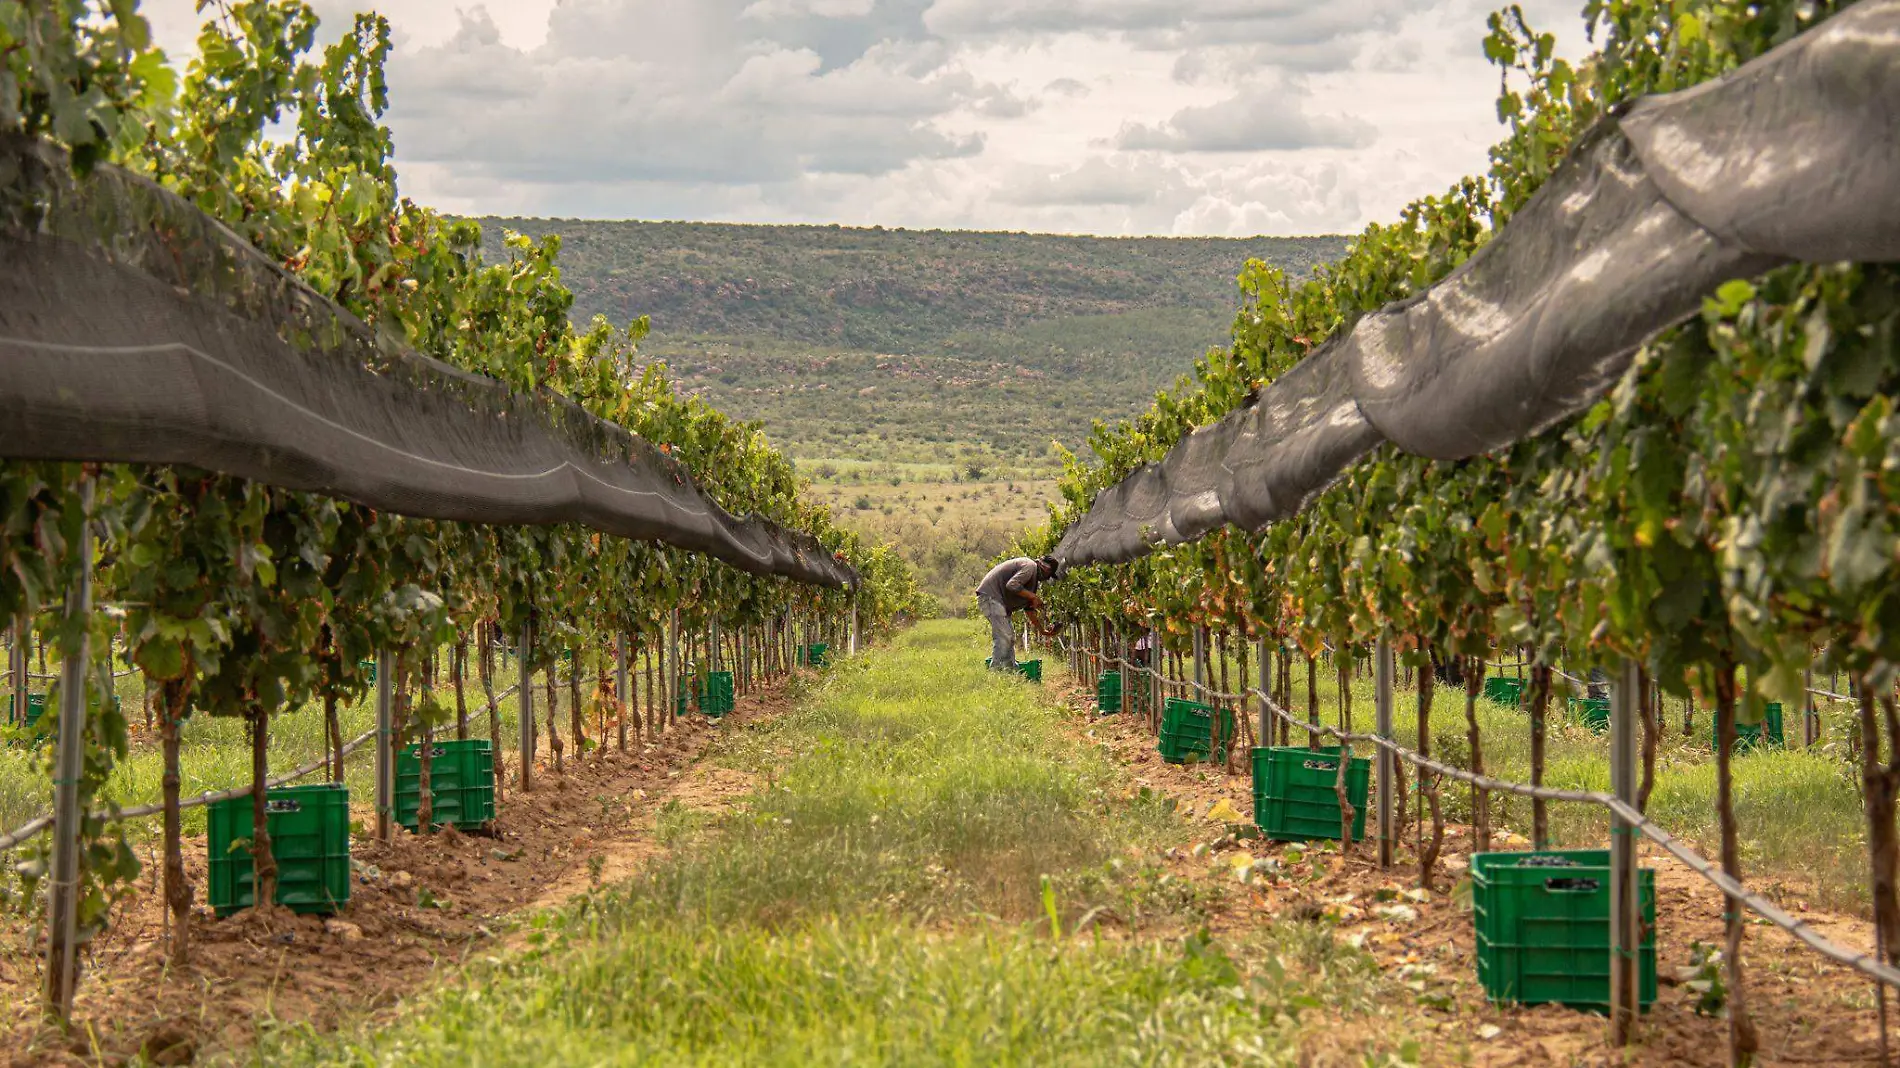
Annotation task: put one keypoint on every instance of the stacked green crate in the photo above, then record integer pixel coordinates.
(816, 655)
(1188, 731)
(1504, 690)
(1543, 927)
(35, 708)
(716, 696)
(461, 783)
(688, 689)
(1593, 711)
(310, 841)
(1296, 793)
(1108, 692)
(1769, 732)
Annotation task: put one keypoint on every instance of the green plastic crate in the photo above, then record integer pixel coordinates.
(1187, 730)
(461, 781)
(310, 840)
(1504, 689)
(1544, 930)
(1108, 692)
(35, 708)
(36, 720)
(688, 689)
(1296, 793)
(1750, 735)
(1028, 669)
(1594, 711)
(816, 655)
(716, 696)
(368, 668)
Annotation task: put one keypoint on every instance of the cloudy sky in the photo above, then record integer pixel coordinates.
(1232, 117)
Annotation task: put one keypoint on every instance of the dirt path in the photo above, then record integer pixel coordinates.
(417, 908)
(1808, 1012)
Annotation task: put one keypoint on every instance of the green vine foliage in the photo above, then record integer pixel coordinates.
(247, 599)
(1731, 504)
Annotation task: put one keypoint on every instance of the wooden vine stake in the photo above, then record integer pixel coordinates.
(175, 695)
(485, 666)
(1312, 702)
(425, 759)
(623, 697)
(1428, 780)
(1879, 784)
(1480, 797)
(458, 667)
(263, 861)
(574, 714)
(1382, 671)
(1743, 1041)
(1346, 810)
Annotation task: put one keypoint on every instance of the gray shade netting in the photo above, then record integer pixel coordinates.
(136, 329)
(1793, 157)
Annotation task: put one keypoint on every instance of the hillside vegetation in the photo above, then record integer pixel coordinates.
(923, 359)
(907, 347)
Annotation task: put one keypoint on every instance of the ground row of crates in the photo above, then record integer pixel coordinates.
(1594, 712)
(1541, 919)
(310, 824)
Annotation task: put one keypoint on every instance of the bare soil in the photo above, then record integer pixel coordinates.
(1807, 1010)
(418, 908)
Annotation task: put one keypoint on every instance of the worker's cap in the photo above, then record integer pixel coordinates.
(1054, 565)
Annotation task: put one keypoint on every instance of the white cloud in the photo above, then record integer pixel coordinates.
(1263, 118)
(1106, 116)
(830, 9)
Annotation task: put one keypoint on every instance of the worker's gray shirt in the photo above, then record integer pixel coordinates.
(1007, 581)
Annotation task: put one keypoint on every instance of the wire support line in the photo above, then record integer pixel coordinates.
(1865, 963)
(39, 823)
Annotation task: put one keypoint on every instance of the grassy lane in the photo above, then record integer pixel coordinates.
(891, 894)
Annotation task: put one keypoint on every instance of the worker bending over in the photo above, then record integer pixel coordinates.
(1011, 587)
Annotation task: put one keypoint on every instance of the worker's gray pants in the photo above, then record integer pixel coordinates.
(1002, 638)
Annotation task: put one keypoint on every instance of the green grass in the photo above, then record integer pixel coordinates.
(881, 899)
(1799, 809)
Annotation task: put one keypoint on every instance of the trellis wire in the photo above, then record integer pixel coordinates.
(41, 822)
(1865, 963)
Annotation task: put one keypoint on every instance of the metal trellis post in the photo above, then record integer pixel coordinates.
(1810, 719)
(1383, 670)
(1266, 718)
(854, 625)
(22, 640)
(385, 740)
(1625, 909)
(62, 906)
(526, 733)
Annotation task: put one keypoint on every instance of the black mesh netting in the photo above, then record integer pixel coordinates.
(135, 328)
(1793, 157)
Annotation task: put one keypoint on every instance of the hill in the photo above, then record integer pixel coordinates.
(914, 349)
(900, 291)
(919, 376)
